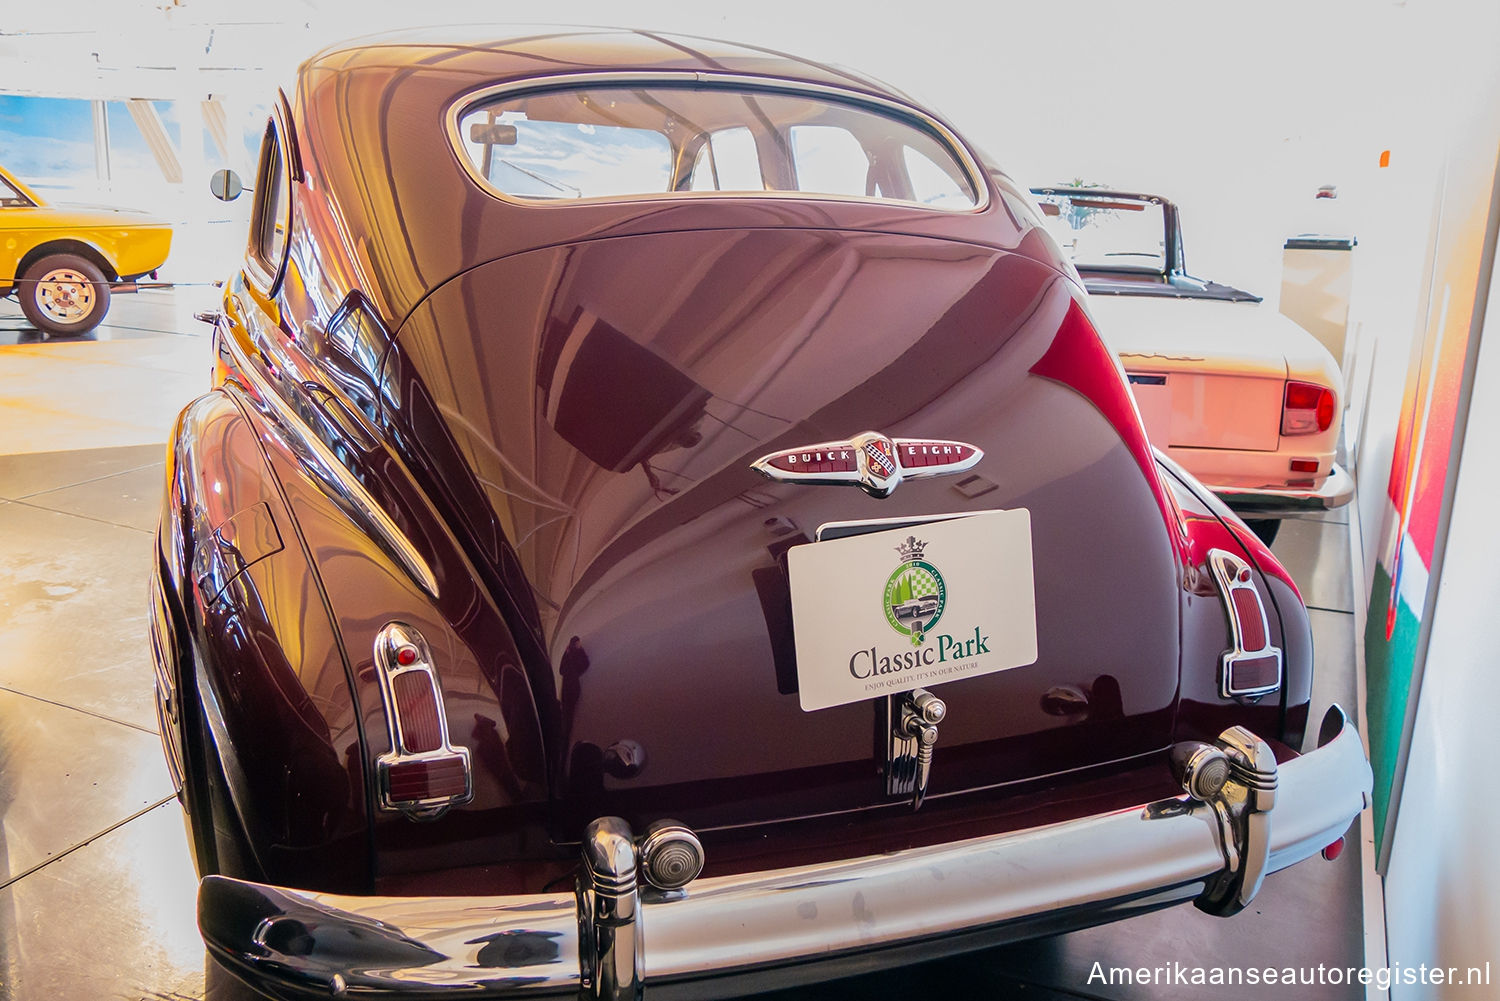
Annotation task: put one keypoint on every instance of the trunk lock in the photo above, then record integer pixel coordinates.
(913, 732)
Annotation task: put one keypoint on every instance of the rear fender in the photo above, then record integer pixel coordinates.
(380, 554)
(1203, 712)
(260, 658)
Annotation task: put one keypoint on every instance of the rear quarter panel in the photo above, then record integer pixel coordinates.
(266, 665)
(362, 586)
(1203, 713)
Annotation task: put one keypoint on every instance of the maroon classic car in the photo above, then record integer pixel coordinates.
(664, 517)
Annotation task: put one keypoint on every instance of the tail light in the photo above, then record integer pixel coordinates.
(1307, 409)
(1251, 667)
(1201, 768)
(422, 774)
(671, 855)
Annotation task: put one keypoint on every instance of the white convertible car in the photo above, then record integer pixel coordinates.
(1235, 392)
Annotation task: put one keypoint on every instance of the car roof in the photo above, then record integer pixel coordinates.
(370, 132)
(505, 52)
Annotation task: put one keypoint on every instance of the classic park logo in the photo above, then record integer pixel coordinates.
(915, 593)
(915, 597)
(914, 601)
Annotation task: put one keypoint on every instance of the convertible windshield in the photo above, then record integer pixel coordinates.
(615, 141)
(1107, 231)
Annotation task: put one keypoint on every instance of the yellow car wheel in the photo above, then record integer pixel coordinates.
(64, 295)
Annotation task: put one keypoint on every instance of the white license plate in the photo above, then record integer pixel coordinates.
(888, 611)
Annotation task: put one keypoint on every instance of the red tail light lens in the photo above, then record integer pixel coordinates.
(417, 709)
(1247, 615)
(1308, 409)
(426, 778)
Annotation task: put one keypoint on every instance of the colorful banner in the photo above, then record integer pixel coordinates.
(1413, 529)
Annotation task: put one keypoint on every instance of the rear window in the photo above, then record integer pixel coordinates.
(612, 141)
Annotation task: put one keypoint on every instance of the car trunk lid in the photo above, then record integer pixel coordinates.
(595, 438)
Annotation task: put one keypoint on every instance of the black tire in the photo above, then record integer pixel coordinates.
(1266, 528)
(64, 295)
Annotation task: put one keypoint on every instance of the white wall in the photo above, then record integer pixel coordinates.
(1443, 887)
(1443, 884)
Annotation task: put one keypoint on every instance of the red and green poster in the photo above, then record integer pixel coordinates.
(1414, 529)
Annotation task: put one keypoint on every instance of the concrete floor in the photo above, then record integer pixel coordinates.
(96, 885)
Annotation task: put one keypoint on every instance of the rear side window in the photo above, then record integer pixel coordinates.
(613, 141)
(271, 213)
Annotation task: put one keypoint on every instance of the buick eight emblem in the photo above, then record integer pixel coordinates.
(871, 461)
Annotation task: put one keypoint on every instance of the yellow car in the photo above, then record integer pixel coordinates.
(62, 260)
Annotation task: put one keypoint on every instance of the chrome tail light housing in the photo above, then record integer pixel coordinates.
(1251, 667)
(423, 774)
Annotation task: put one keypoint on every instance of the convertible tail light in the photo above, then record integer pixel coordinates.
(1251, 667)
(1308, 409)
(422, 775)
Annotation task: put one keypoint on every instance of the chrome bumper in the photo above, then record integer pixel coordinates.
(1275, 502)
(609, 940)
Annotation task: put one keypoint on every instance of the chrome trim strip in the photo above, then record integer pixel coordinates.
(456, 946)
(956, 146)
(347, 489)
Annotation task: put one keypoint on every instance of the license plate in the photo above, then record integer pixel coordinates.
(910, 607)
